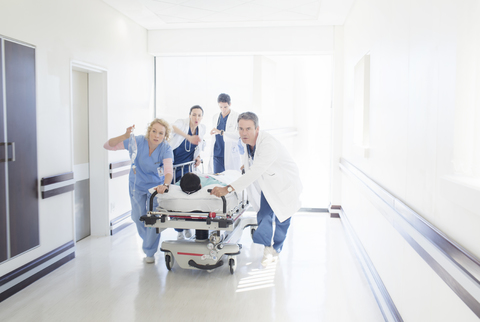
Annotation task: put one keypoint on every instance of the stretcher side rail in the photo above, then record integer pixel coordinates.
(169, 219)
(189, 164)
(223, 222)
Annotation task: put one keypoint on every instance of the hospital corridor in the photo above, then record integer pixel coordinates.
(316, 279)
(240, 160)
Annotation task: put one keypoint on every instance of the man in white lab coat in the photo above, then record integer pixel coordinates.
(273, 184)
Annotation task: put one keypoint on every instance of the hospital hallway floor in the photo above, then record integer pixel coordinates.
(317, 278)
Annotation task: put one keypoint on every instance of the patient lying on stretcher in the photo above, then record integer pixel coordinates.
(194, 195)
(192, 182)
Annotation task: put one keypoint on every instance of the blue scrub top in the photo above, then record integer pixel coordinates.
(147, 166)
(251, 151)
(184, 153)
(219, 148)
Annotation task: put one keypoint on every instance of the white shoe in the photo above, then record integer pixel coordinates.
(149, 260)
(188, 233)
(180, 235)
(268, 255)
(274, 254)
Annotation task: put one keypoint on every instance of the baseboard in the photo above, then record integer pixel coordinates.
(29, 273)
(456, 266)
(313, 210)
(384, 301)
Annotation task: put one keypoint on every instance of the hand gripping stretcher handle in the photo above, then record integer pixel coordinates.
(154, 193)
(224, 201)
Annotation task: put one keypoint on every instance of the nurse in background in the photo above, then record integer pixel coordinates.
(187, 145)
(226, 145)
(187, 140)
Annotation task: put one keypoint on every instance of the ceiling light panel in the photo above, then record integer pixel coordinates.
(310, 9)
(171, 1)
(288, 16)
(284, 4)
(184, 12)
(213, 5)
(252, 11)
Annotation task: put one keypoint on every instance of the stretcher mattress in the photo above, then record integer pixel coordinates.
(202, 200)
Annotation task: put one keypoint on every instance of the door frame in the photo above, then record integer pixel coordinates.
(98, 158)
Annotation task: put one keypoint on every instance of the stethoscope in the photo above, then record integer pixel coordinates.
(190, 147)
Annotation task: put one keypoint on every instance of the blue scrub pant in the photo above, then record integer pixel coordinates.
(218, 164)
(140, 201)
(263, 234)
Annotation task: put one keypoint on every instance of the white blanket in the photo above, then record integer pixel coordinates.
(202, 200)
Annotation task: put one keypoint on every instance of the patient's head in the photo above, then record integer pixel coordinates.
(190, 183)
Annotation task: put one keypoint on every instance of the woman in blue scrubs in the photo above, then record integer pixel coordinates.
(187, 145)
(153, 168)
(187, 140)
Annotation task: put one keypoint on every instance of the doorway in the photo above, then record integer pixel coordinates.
(89, 158)
(80, 154)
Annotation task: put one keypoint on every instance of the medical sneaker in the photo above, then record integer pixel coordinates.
(268, 255)
(180, 235)
(188, 233)
(149, 260)
(274, 254)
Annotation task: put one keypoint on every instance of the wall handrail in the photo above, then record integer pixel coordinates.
(57, 184)
(458, 268)
(116, 165)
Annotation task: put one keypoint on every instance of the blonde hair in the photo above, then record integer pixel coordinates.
(163, 123)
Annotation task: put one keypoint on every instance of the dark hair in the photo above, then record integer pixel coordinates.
(190, 183)
(195, 107)
(224, 98)
(249, 116)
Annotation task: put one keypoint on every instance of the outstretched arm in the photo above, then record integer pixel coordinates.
(194, 139)
(113, 143)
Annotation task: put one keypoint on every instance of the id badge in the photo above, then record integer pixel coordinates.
(160, 171)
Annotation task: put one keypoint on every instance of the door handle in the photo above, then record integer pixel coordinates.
(13, 151)
(12, 144)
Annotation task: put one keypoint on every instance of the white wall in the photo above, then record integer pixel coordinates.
(253, 40)
(91, 32)
(417, 93)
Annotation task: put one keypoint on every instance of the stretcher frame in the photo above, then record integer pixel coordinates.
(216, 234)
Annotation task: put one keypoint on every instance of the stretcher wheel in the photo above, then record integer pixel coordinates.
(232, 264)
(169, 261)
(252, 231)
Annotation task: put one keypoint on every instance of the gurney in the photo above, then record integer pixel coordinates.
(218, 225)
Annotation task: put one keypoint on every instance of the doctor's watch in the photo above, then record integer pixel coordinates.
(229, 188)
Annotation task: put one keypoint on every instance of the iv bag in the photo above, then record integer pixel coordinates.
(132, 149)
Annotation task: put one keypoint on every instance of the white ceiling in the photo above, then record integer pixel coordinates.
(170, 14)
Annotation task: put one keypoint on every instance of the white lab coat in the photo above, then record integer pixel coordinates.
(275, 173)
(232, 157)
(183, 125)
